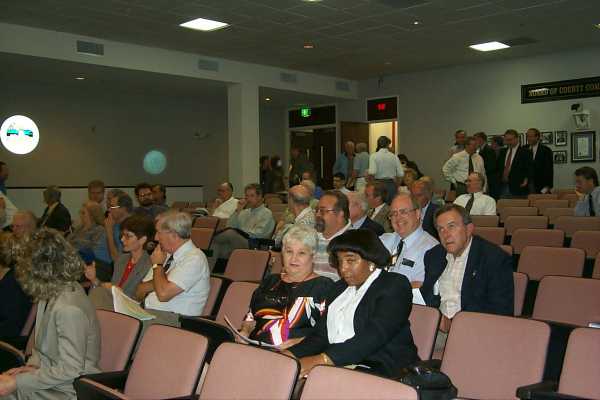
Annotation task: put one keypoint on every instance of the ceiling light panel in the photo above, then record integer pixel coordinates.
(205, 25)
(489, 46)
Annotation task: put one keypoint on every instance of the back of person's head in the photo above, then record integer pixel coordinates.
(361, 147)
(177, 222)
(383, 142)
(124, 201)
(300, 195)
(588, 173)
(310, 185)
(52, 194)
(363, 242)
(10, 248)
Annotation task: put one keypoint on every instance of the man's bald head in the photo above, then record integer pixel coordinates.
(300, 195)
(224, 191)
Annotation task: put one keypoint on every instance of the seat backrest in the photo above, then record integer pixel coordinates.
(553, 213)
(424, 323)
(276, 262)
(491, 234)
(206, 222)
(542, 205)
(588, 241)
(568, 300)
(520, 281)
(238, 372)
(236, 302)
(507, 248)
(485, 220)
(247, 265)
(450, 196)
(118, 336)
(570, 225)
(522, 238)
(534, 197)
(216, 284)
(179, 205)
(515, 222)
(502, 203)
(167, 364)
(539, 261)
(581, 368)
(202, 237)
(30, 321)
(513, 348)
(331, 383)
(516, 211)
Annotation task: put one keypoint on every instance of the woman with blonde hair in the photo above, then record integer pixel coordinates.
(90, 232)
(67, 335)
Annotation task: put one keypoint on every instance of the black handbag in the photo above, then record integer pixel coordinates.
(430, 383)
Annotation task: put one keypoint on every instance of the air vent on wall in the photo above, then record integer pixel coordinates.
(208, 65)
(342, 86)
(288, 77)
(404, 3)
(91, 48)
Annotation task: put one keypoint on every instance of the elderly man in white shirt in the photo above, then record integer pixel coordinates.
(409, 242)
(179, 281)
(385, 167)
(225, 204)
(460, 165)
(475, 202)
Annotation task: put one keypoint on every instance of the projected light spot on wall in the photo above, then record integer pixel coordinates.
(155, 162)
(19, 134)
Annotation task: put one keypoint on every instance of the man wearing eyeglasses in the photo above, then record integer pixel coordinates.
(143, 192)
(409, 242)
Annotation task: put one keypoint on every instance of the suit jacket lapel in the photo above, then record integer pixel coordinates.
(471, 270)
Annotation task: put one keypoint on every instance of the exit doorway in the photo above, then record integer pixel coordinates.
(318, 144)
(368, 133)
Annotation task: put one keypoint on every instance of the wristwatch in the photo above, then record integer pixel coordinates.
(156, 266)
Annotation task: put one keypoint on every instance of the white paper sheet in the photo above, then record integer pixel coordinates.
(126, 305)
(417, 297)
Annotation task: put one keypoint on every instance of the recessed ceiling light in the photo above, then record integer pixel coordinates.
(489, 46)
(308, 45)
(80, 78)
(416, 22)
(205, 25)
(267, 99)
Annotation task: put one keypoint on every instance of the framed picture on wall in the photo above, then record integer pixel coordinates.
(560, 156)
(547, 137)
(583, 146)
(560, 138)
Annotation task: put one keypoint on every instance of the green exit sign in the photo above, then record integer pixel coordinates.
(305, 112)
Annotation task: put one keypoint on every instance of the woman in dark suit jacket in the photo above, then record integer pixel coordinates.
(367, 315)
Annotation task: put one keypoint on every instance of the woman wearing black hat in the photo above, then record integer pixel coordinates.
(367, 315)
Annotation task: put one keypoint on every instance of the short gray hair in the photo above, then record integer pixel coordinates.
(359, 199)
(176, 221)
(466, 217)
(302, 234)
(480, 176)
(310, 185)
(361, 147)
(52, 194)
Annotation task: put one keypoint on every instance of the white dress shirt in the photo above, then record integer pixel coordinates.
(6, 215)
(340, 313)
(450, 282)
(385, 165)
(225, 209)
(482, 205)
(456, 169)
(189, 271)
(410, 260)
(321, 264)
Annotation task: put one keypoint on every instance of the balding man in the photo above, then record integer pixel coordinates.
(225, 204)
(358, 207)
(475, 202)
(23, 223)
(299, 198)
(345, 161)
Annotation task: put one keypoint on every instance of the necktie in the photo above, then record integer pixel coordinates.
(371, 212)
(471, 169)
(591, 205)
(168, 264)
(507, 166)
(396, 255)
(470, 203)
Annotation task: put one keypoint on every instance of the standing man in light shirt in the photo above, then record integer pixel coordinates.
(225, 204)
(378, 210)
(475, 202)
(461, 164)
(409, 242)
(179, 280)
(459, 142)
(361, 167)
(385, 167)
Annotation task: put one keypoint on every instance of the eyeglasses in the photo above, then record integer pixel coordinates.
(113, 207)
(401, 212)
(322, 210)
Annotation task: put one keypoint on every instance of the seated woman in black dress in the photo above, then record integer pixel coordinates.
(286, 307)
(366, 323)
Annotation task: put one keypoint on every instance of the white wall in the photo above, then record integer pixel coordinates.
(433, 104)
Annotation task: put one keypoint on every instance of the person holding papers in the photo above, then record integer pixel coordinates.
(286, 307)
(366, 323)
(178, 282)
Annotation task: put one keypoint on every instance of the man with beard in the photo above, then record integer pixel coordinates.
(143, 192)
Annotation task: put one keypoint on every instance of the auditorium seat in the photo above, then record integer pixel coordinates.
(217, 284)
(424, 323)
(166, 365)
(206, 222)
(118, 336)
(539, 261)
(588, 241)
(553, 213)
(485, 220)
(507, 248)
(202, 237)
(571, 197)
(246, 372)
(502, 203)
(596, 273)
(522, 238)
(516, 211)
(491, 234)
(520, 281)
(542, 205)
(450, 196)
(332, 383)
(275, 262)
(568, 300)
(570, 225)
(489, 356)
(247, 265)
(533, 197)
(515, 222)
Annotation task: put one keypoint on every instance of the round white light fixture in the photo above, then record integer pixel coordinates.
(155, 162)
(19, 134)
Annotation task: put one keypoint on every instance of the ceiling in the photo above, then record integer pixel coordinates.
(356, 39)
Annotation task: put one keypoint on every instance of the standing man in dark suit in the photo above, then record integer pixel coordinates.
(489, 161)
(515, 167)
(358, 207)
(56, 215)
(543, 164)
(423, 192)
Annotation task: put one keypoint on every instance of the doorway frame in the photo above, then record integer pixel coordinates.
(395, 136)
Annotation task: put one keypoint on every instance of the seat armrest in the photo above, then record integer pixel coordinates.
(215, 332)
(433, 363)
(92, 390)
(114, 380)
(554, 396)
(526, 392)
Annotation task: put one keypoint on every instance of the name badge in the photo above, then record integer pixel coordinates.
(408, 263)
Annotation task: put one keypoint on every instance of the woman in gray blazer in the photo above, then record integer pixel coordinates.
(67, 335)
(137, 231)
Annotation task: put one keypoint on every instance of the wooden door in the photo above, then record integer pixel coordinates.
(356, 132)
(319, 148)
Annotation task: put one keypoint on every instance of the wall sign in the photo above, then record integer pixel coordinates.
(308, 116)
(560, 90)
(19, 134)
(383, 109)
